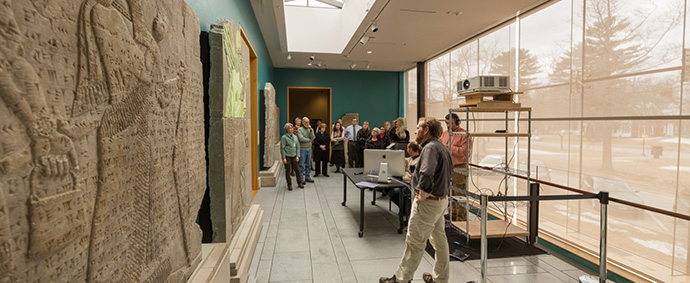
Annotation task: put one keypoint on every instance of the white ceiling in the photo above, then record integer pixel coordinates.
(410, 31)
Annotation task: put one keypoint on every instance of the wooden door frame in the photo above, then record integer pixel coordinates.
(254, 109)
(330, 102)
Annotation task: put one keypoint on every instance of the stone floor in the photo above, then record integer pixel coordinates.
(308, 236)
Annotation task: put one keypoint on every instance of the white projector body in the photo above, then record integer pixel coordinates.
(484, 83)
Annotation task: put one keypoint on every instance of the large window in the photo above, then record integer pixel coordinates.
(411, 97)
(608, 85)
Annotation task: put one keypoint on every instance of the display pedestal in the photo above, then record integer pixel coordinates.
(269, 177)
(229, 262)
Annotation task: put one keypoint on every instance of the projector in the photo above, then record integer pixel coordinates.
(484, 83)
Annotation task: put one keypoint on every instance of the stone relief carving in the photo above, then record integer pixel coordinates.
(234, 53)
(272, 134)
(101, 140)
(230, 167)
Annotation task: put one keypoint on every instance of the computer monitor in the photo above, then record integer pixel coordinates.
(395, 159)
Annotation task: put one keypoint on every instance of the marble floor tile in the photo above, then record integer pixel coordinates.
(462, 272)
(500, 262)
(372, 270)
(509, 270)
(268, 248)
(308, 236)
(559, 263)
(525, 278)
(292, 240)
(291, 266)
(326, 272)
(263, 272)
(317, 226)
(575, 274)
(321, 250)
(374, 247)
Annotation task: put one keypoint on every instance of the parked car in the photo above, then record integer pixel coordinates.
(494, 161)
(617, 189)
(491, 160)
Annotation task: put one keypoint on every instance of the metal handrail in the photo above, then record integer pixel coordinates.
(484, 200)
(616, 200)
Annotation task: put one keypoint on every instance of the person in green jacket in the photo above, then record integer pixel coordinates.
(306, 136)
(288, 151)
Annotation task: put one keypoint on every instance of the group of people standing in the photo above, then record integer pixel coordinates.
(432, 161)
(300, 142)
(363, 137)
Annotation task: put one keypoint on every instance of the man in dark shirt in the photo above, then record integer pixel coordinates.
(362, 137)
(431, 183)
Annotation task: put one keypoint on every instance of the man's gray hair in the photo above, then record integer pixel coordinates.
(288, 126)
(305, 118)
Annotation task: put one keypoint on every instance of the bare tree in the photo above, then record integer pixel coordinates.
(528, 66)
(613, 46)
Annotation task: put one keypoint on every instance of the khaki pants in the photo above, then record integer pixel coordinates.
(459, 212)
(426, 222)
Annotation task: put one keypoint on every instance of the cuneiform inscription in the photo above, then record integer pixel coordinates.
(101, 140)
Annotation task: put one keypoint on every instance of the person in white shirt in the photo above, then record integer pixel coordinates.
(350, 136)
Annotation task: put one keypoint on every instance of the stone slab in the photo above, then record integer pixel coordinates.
(230, 183)
(101, 141)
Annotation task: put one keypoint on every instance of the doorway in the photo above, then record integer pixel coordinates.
(254, 110)
(313, 102)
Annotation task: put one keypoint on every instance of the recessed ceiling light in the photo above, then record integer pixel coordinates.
(309, 64)
(369, 52)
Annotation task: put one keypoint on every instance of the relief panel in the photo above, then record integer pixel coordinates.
(101, 141)
(229, 145)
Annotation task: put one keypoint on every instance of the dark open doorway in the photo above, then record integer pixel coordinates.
(312, 102)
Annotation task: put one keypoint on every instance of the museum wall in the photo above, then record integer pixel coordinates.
(347, 97)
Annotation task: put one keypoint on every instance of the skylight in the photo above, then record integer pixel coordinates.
(337, 4)
(322, 26)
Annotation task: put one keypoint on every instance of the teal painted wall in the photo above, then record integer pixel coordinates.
(239, 11)
(376, 96)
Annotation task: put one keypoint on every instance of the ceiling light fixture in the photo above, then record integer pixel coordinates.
(369, 52)
(368, 65)
(289, 57)
(311, 57)
(374, 28)
(364, 39)
(353, 65)
(319, 63)
(309, 64)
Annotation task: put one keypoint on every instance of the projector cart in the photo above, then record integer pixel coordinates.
(494, 228)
